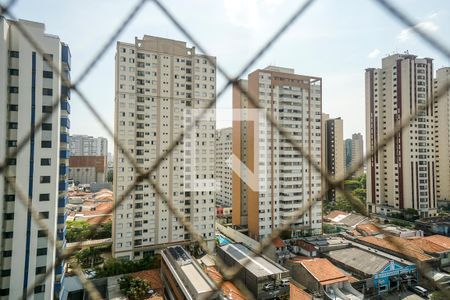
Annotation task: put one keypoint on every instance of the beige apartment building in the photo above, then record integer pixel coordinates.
(271, 180)
(402, 175)
(223, 167)
(442, 135)
(161, 85)
(357, 152)
(333, 147)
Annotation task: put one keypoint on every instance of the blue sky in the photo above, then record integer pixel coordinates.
(335, 40)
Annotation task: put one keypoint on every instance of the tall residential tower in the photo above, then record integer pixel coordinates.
(271, 180)
(442, 115)
(333, 158)
(161, 85)
(402, 175)
(223, 167)
(28, 91)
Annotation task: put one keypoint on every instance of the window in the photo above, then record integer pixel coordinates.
(46, 144)
(43, 215)
(12, 143)
(46, 161)
(13, 90)
(7, 253)
(40, 270)
(14, 54)
(7, 235)
(6, 273)
(9, 216)
(42, 233)
(47, 92)
(47, 109)
(13, 107)
(12, 125)
(10, 198)
(44, 197)
(11, 162)
(47, 74)
(14, 72)
(4, 292)
(47, 126)
(41, 251)
(39, 289)
(45, 179)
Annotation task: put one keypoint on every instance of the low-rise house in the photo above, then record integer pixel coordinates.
(321, 277)
(434, 225)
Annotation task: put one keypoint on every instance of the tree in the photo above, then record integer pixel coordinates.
(134, 288)
(117, 266)
(360, 194)
(89, 257)
(110, 176)
(343, 204)
(77, 231)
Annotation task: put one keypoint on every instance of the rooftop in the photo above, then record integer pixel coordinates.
(365, 261)
(297, 293)
(188, 273)
(228, 288)
(258, 265)
(398, 245)
(323, 270)
(443, 241)
(368, 229)
(427, 246)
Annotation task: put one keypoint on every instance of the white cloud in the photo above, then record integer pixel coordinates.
(248, 13)
(374, 53)
(426, 26)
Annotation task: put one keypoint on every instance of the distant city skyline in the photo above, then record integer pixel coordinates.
(325, 25)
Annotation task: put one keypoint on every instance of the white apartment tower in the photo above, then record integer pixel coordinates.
(223, 167)
(402, 175)
(161, 85)
(271, 179)
(357, 152)
(28, 91)
(86, 145)
(442, 137)
(333, 161)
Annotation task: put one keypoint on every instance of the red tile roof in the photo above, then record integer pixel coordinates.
(427, 246)
(368, 229)
(228, 288)
(333, 214)
(323, 270)
(98, 219)
(297, 293)
(443, 241)
(305, 245)
(278, 243)
(153, 278)
(398, 245)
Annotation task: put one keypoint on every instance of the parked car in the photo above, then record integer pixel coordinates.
(421, 291)
(285, 282)
(269, 286)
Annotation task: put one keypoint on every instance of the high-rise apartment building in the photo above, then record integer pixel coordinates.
(86, 145)
(28, 91)
(348, 154)
(161, 85)
(271, 180)
(402, 175)
(442, 136)
(223, 167)
(332, 151)
(357, 152)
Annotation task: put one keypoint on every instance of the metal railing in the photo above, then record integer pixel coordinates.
(331, 183)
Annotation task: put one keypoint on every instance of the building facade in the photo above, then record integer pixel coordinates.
(402, 174)
(161, 85)
(29, 90)
(223, 167)
(86, 145)
(333, 158)
(348, 154)
(271, 180)
(442, 135)
(87, 169)
(357, 152)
